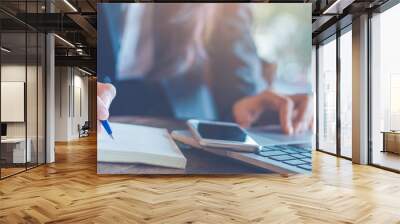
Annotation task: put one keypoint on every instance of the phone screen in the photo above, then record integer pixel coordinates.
(221, 132)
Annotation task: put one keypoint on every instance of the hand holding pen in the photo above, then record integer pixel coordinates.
(105, 94)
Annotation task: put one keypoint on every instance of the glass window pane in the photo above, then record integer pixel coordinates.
(23, 84)
(32, 89)
(31, 97)
(385, 114)
(346, 94)
(14, 153)
(327, 97)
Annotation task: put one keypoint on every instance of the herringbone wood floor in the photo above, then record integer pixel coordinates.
(70, 191)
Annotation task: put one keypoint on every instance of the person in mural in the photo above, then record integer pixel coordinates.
(194, 60)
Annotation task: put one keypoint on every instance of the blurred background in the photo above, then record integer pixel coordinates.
(282, 33)
(197, 60)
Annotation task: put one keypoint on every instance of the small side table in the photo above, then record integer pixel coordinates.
(391, 141)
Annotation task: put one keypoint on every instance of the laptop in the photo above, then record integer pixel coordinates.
(279, 153)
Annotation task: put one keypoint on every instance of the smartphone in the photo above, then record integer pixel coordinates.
(222, 135)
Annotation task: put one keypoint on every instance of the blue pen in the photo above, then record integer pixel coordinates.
(107, 127)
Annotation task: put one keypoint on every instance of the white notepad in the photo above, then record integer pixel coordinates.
(139, 144)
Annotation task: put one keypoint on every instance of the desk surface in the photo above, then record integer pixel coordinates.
(198, 161)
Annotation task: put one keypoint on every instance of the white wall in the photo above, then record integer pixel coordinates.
(71, 94)
(16, 73)
(80, 110)
(61, 104)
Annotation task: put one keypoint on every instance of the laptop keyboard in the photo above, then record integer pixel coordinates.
(293, 155)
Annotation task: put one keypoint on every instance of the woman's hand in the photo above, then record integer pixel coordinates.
(295, 111)
(105, 95)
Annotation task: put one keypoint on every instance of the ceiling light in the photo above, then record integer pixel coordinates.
(5, 50)
(338, 6)
(65, 41)
(79, 51)
(84, 71)
(70, 5)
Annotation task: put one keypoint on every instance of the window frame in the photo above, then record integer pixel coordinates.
(334, 37)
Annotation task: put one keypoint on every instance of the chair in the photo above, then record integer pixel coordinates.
(84, 130)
